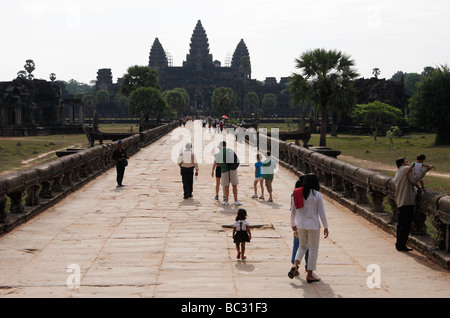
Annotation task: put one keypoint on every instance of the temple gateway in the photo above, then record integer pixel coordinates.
(200, 74)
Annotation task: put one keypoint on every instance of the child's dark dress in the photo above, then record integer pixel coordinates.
(241, 234)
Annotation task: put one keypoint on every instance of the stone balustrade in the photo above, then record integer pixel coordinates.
(26, 193)
(370, 194)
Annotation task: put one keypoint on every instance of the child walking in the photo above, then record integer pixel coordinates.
(258, 178)
(241, 233)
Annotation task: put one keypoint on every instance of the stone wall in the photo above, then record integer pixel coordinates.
(33, 190)
(367, 193)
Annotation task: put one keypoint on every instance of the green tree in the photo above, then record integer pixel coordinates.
(376, 71)
(29, 66)
(342, 101)
(89, 103)
(185, 95)
(138, 76)
(224, 101)
(177, 101)
(410, 83)
(299, 97)
(269, 104)
(398, 76)
(428, 70)
(22, 74)
(375, 114)
(103, 99)
(148, 101)
(74, 87)
(321, 71)
(121, 102)
(52, 77)
(252, 104)
(430, 104)
(246, 68)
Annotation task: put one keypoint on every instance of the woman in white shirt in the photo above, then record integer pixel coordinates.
(306, 221)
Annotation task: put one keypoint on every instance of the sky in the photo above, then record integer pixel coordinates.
(73, 39)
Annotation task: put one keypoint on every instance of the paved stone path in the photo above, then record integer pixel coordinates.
(145, 240)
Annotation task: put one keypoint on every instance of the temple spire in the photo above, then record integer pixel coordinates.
(158, 58)
(199, 56)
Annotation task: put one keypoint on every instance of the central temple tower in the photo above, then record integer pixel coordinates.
(200, 75)
(199, 58)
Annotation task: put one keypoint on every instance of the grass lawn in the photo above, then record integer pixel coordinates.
(18, 153)
(379, 151)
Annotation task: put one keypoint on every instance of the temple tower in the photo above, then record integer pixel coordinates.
(158, 58)
(241, 51)
(104, 79)
(199, 58)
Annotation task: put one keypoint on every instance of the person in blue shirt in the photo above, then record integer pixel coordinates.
(258, 178)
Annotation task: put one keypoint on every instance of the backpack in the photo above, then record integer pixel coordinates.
(231, 165)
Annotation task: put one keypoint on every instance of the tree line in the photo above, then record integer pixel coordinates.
(324, 81)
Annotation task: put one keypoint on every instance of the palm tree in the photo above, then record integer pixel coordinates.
(324, 75)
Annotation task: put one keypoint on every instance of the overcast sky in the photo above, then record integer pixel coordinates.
(73, 39)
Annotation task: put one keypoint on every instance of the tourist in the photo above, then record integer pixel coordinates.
(417, 167)
(216, 171)
(405, 198)
(120, 157)
(188, 162)
(306, 222)
(268, 168)
(228, 163)
(258, 178)
(296, 243)
(241, 233)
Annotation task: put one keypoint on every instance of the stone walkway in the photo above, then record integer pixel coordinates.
(145, 240)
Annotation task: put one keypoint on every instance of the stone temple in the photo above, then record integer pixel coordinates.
(200, 74)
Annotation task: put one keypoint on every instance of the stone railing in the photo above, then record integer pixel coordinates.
(33, 190)
(367, 193)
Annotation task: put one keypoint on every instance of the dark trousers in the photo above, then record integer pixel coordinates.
(120, 172)
(405, 218)
(187, 176)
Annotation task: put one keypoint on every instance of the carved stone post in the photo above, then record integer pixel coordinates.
(16, 202)
(57, 183)
(32, 195)
(361, 195)
(46, 190)
(75, 174)
(441, 228)
(377, 201)
(394, 209)
(336, 182)
(418, 226)
(328, 180)
(348, 190)
(2, 208)
(67, 179)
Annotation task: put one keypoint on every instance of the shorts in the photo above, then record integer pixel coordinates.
(218, 172)
(269, 185)
(228, 177)
(257, 179)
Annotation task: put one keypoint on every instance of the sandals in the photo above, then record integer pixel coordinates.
(312, 280)
(238, 255)
(291, 273)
